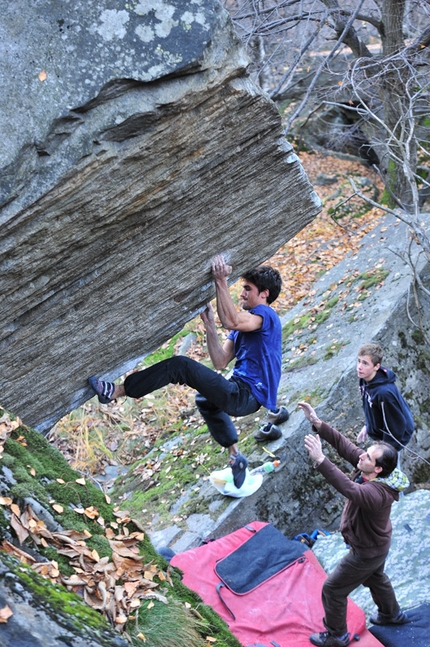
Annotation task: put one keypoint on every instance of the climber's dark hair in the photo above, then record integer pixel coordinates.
(265, 277)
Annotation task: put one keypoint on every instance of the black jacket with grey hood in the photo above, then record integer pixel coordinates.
(387, 414)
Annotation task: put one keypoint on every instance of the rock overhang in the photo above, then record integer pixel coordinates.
(113, 215)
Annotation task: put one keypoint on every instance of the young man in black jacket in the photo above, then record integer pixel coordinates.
(386, 412)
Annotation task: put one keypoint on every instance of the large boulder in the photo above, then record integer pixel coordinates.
(135, 147)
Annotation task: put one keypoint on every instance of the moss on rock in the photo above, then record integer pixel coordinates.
(42, 473)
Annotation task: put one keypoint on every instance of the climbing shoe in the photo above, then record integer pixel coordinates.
(278, 417)
(238, 464)
(103, 390)
(400, 619)
(268, 432)
(326, 639)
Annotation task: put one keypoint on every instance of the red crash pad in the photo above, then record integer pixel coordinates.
(282, 611)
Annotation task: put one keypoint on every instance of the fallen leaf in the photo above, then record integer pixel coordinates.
(15, 509)
(42, 76)
(130, 588)
(91, 512)
(58, 508)
(123, 551)
(81, 481)
(14, 550)
(5, 614)
(134, 604)
(21, 532)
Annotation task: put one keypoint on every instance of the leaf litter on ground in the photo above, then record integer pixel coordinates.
(116, 586)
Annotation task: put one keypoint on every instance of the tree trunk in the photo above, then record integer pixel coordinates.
(400, 159)
(392, 12)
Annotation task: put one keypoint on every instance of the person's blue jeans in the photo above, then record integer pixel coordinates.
(217, 398)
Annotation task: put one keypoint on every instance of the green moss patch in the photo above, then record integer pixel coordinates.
(333, 349)
(175, 470)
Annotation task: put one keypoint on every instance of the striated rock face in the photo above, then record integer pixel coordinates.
(135, 148)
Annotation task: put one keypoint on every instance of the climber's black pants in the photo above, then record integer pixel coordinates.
(217, 398)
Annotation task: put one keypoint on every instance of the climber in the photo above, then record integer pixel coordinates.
(254, 341)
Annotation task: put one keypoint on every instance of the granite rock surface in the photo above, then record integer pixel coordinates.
(135, 148)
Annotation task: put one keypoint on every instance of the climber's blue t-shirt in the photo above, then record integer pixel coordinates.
(258, 356)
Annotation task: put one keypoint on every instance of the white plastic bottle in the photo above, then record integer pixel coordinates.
(266, 468)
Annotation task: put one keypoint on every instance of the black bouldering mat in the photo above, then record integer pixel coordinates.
(415, 633)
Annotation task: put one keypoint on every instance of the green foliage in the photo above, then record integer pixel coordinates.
(333, 349)
(421, 473)
(101, 545)
(4, 524)
(313, 397)
(391, 182)
(172, 624)
(299, 362)
(418, 337)
(167, 625)
(348, 210)
(216, 626)
(166, 350)
(423, 361)
(298, 323)
(372, 278)
(310, 320)
(425, 406)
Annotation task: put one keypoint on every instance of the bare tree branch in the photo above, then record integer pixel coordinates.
(345, 30)
(320, 69)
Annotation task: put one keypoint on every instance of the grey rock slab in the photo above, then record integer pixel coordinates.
(201, 523)
(162, 538)
(43, 514)
(186, 541)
